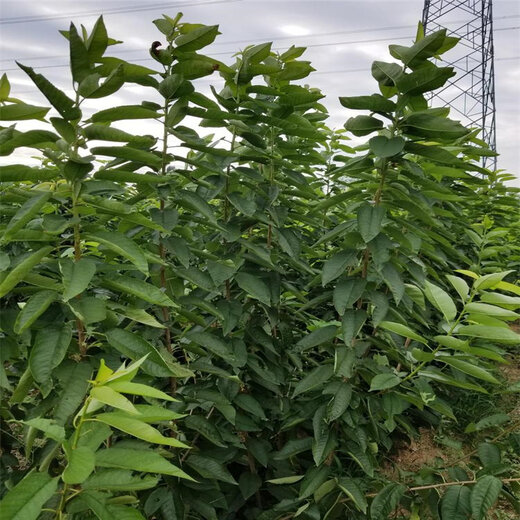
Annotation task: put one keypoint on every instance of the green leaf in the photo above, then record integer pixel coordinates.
(102, 132)
(293, 447)
(336, 265)
(460, 286)
(351, 489)
(324, 442)
(220, 271)
(89, 309)
(359, 455)
(394, 281)
(489, 454)
(363, 125)
(506, 286)
(455, 503)
(314, 478)
(62, 103)
(249, 484)
(381, 146)
(441, 300)
(490, 281)
(139, 315)
(374, 103)
(196, 38)
(143, 290)
(21, 112)
(384, 381)
(157, 364)
(210, 468)
(168, 86)
(79, 59)
(285, 480)
(81, 462)
(437, 375)
(74, 383)
(124, 112)
(48, 351)
(5, 261)
(26, 500)
(423, 49)
(5, 87)
(109, 396)
(76, 276)
(498, 334)
(119, 480)
(104, 510)
(315, 378)
(351, 324)
(491, 310)
(386, 501)
(425, 79)
(248, 403)
(136, 428)
(492, 421)
(433, 127)
(340, 402)
(243, 204)
(402, 330)
(40, 139)
(156, 414)
(386, 73)
(202, 426)
(48, 427)
(93, 435)
(26, 213)
(254, 286)
(195, 202)
(127, 387)
(21, 172)
(369, 219)
(35, 306)
(468, 368)
(451, 342)
(16, 275)
(121, 245)
(213, 344)
(483, 495)
(347, 292)
(501, 299)
(97, 42)
(128, 153)
(317, 337)
(142, 460)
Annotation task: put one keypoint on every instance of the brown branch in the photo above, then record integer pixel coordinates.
(252, 469)
(82, 340)
(440, 485)
(196, 438)
(162, 251)
(511, 428)
(457, 483)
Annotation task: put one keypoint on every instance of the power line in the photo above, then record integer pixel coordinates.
(317, 72)
(107, 12)
(276, 38)
(223, 53)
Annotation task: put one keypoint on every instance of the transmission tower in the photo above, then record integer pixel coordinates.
(471, 93)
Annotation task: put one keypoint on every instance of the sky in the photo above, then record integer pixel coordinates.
(343, 37)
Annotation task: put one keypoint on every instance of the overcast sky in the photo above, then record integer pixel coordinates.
(343, 38)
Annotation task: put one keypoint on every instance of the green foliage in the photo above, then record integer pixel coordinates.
(298, 303)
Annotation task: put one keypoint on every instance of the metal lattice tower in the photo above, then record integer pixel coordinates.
(471, 93)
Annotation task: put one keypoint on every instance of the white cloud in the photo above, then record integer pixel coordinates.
(325, 22)
(295, 30)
